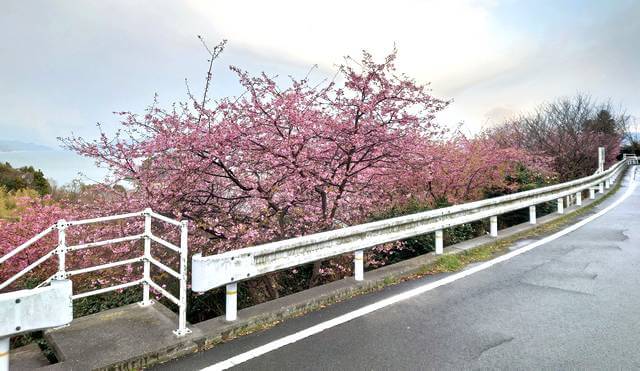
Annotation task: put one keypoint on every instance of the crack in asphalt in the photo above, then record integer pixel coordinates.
(494, 345)
(560, 289)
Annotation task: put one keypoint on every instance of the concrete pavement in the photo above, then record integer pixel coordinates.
(572, 303)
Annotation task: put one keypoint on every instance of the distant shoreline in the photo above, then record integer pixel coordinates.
(16, 145)
(60, 165)
(31, 150)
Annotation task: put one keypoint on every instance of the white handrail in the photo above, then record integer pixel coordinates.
(164, 293)
(106, 289)
(105, 218)
(165, 219)
(41, 260)
(47, 281)
(27, 244)
(104, 266)
(164, 243)
(105, 242)
(164, 267)
(62, 249)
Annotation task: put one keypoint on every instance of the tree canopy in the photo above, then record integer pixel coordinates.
(15, 179)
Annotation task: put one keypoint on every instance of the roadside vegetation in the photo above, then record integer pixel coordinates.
(284, 160)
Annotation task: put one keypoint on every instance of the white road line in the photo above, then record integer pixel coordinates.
(290, 339)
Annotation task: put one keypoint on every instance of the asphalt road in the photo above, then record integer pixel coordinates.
(573, 303)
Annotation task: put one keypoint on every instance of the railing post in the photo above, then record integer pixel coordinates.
(439, 242)
(61, 250)
(493, 226)
(601, 159)
(607, 183)
(231, 307)
(601, 188)
(184, 251)
(592, 193)
(4, 353)
(579, 198)
(532, 214)
(560, 206)
(358, 265)
(147, 254)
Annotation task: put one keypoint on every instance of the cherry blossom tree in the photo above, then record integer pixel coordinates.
(281, 160)
(277, 161)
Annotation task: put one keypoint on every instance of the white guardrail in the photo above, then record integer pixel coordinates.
(228, 268)
(231, 267)
(24, 311)
(61, 250)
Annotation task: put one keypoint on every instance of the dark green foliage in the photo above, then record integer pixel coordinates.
(463, 232)
(425, 243)
(524, 180)
(416, 245)
(14, 179)
(210, 304)
(38, 338)
(603, 123)
(99, 303)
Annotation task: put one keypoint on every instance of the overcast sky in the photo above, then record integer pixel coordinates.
(65, 65)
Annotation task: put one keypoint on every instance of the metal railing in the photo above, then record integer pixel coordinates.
(632, 159)
(231, 267)
(147, 259)
(228, 268)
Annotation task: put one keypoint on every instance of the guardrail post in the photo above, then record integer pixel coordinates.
(439, 242)
(560, 206)
(579, 198)
(184, 251)
(592, 193)
(4, 353)
(601, 188)
(532, 214)
(231, 307)
(147, 254)
(358, 265)
(601, 159)
(61, 250)
(607, 183)
(493, 226)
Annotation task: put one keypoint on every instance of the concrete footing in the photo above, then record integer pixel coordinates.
(28, 357)
(128, 337)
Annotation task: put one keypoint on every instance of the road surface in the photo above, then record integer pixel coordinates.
(571, 303)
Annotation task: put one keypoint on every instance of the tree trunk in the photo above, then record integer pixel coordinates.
(271, 285)
(315, 274)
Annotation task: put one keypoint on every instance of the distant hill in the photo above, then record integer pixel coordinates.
(14, 145)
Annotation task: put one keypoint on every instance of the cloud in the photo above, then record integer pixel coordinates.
(66, 65)
(443, 41)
